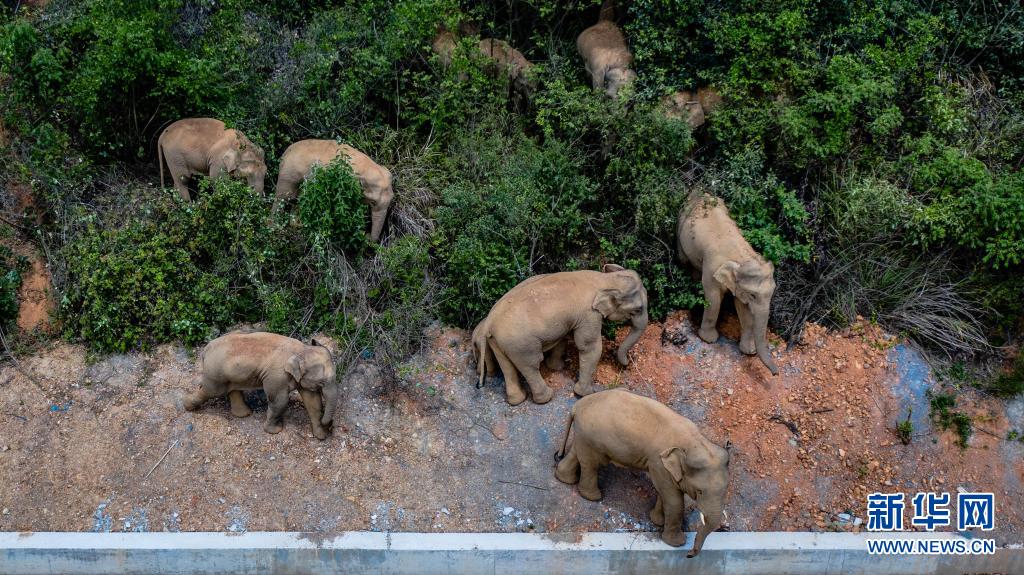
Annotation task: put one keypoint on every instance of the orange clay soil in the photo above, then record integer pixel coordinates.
(103, 444)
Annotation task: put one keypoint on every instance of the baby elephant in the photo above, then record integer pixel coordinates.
(375, 179)
(205, 147)
(278, 364)
(607, 59)
(629, 430)
(536, 316)
(710, 240)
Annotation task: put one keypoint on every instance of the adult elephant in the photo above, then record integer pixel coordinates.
(298, 160)
(709, 239)
(536, 316)
(206, 147)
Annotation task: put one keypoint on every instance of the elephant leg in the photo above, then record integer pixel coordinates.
(590, 462)
(208, 389)
(713, 293)
(556, 357)
(657, 514)
(530, 368)
(180, 174)
(672, 507)
(588, 342)
(315, 408)
(568, 469)
(746, 328)
(277, 402)
(514, 393)
(285, 190)
(238, 406)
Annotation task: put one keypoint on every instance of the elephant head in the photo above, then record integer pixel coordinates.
(701, 470)
(244, 160)
(623, 298)
(380, 193)
(616, 79)
(313, 369)
(753, 284)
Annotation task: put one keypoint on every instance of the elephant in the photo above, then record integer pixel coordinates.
(206, 147)
(536, 316)
(607, 59)
(375, 179)
(629, 430)
(709, 239)
(250, 360)
(512, 62)
(684, 105)
(444, 45)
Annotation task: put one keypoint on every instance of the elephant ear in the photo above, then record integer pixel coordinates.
(672, 459)
(229, 161)
(606, 301)
(610, 268)
(296, 367)
(726, 275)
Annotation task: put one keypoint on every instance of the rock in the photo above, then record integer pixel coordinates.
(857, 521)
(844, 517)
(507, 511)
(500, 430)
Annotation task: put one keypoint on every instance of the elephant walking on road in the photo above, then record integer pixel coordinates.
(710, 240)
(206, 147)
(535, 317)
(375, 179)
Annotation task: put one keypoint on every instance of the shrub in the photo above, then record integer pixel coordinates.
(10, 282)
(332, 208)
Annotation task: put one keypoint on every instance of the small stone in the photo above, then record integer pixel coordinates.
(857, 521)
(6, 511)
(728, 391)
(4, 447)
(842, 453)
(507, 511)
(845, 517)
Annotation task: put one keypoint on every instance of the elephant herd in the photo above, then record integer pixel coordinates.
(530, 324)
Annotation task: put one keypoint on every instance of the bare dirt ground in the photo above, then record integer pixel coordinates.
(103, 443)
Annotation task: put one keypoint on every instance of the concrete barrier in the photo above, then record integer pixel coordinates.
(492, 553)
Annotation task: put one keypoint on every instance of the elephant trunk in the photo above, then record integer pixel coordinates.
(330, 397)
(638, 325)
(257, 184)
(377, 215)
(709, 522)
(761, 343)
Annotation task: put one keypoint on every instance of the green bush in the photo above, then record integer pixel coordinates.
(10, 282)
(332, 208)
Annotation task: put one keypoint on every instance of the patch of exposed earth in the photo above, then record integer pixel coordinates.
(106, 445)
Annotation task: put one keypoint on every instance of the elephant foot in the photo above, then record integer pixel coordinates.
(321, 433)
(515, 398)
(240, 410)
(593, 494)
(747, 347)
(622, 358)
(674, 537)
(555, 364)
(569, 477)
(272, 427)
(657, 516)
(191, 403)
(582, 390)
(709, 335)
(544, 395)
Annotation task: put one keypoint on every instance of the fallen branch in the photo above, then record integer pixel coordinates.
(789, 424)
(159, 461)
(826, 410)
(523, 484)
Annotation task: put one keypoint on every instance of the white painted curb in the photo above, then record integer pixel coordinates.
(456, 553)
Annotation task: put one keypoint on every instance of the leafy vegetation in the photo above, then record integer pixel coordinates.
(943, 411)
(871, 150)
(10, 281)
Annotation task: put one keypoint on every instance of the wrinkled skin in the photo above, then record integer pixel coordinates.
(684, 105)
(512, 63)
(616, 426)
(709, 99)
(375, 179)
(710, 240)
(536, 316)
(275, 363)
(608, 61)
(205, 147)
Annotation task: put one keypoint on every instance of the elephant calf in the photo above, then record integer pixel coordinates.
(710, 240)
(536, 316)
(512, 63)
(694, 108)
(375, 179)
(205, 147)
(607, 59)
(616, 426)
(278, 364)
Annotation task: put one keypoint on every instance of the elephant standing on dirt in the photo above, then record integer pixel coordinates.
(278, 364)
(536, 316)
(710, 240)
(375, 179)
(206, 147)
(619, 427)
(608, 61)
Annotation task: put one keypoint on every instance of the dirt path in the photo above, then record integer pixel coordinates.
(108, 447)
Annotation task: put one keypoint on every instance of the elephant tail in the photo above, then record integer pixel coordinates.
(481, 360)
(565, 438)
(160, 158)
